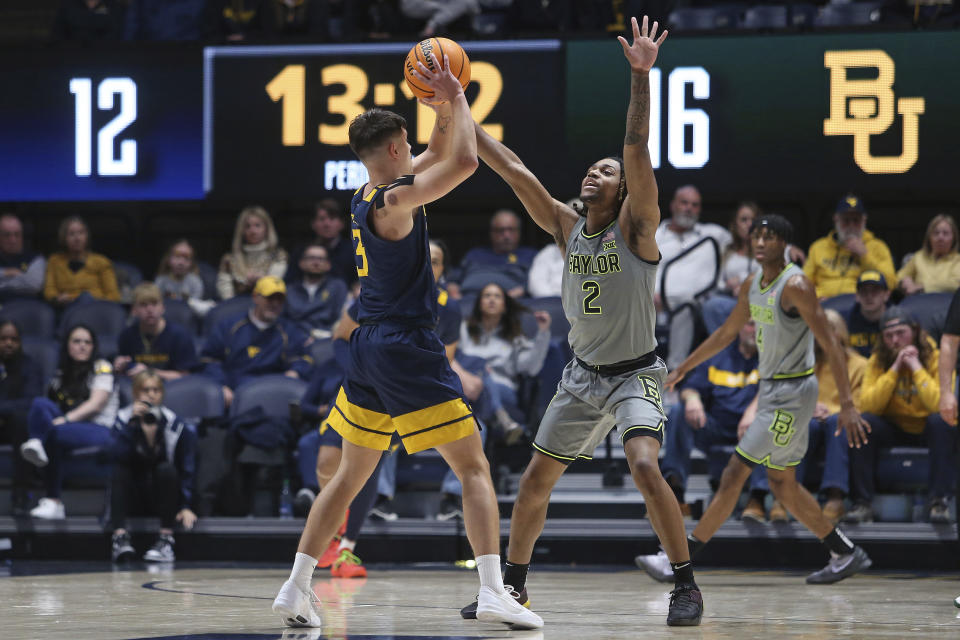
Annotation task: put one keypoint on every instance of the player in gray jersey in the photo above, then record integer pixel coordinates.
(783, 304)
(616, 378)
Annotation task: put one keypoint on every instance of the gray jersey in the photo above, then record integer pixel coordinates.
(784, 342)
(608, 297)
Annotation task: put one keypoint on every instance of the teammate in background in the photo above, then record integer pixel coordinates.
(948, 365)
(399, 379)
(783, 303)
(615, 378)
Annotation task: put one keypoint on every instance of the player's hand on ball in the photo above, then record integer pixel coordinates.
(856, 427)
(643, 52)
(445, 86)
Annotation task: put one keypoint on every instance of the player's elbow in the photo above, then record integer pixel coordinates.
(467, 164)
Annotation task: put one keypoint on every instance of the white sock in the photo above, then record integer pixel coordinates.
(489, 568)
(349, 545)
(302, 573)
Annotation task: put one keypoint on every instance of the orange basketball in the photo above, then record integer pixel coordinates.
(459, 63)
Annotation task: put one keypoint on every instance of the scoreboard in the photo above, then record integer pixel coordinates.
(792, 115)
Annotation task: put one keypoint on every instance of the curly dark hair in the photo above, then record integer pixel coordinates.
(921, 340)
(511, 325)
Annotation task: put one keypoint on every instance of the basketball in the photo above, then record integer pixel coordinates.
(459, 63)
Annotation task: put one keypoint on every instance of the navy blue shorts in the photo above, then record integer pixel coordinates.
(399, 381)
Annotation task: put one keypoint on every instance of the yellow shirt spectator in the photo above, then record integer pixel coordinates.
(936, 267)
(904, 397)
(96, 277)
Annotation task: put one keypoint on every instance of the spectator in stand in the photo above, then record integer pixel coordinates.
(837, 260)
(256, 343)
(154, 456)
(88, 20)
(301, 17)
(76, 270)
(863, 319)
(674, 236)
(78, 412)
(254, 254)
(835, 483)
(21, 380)
(315, 302)
(949, 342)
(546, 272)
(936, 267)
(152, 342)
(21, 272)
(328, 225)
(900, 398)
(717, 404)
(179, 278)
(437, 13)
(240, 20)
(167, 20)
(504, 262)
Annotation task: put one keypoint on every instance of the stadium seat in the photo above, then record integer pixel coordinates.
(208, 275)
(232, 307)
(802, 15)
(765, 17)
(124, 390)
(46, 352)
(179, 312)
(553, 305)
(930, 310)
(321, 350)
(35, 318)
(194, 397)
(272, 393)
(104, 318)
(842, 304)
(849, 15)
(706, 18)
(128, 275)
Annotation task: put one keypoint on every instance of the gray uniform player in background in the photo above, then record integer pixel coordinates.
(615, 379)
(783, 304)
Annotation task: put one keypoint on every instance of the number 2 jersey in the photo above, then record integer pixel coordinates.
(608, 297)
(397, 284)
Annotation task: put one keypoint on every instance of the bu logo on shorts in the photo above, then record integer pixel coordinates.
(782, 427)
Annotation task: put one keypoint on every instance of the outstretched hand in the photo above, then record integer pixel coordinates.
(444, 84)
(856, 427)
(642, 54)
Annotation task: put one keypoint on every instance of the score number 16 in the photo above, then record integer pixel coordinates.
(289, 86)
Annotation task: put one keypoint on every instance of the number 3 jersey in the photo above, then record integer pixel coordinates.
(608, 297)
(396, 280)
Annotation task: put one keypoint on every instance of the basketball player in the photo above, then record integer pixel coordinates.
(399, 379)
(615, 378)
(783, 304)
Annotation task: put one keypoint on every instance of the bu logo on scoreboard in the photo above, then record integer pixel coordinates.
(865, 107)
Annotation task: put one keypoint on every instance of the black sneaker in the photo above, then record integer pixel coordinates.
(383, 511)
(469, 612)
(161, 551)
(123, 551)
(686, 606)
(449, 508)
(841, 567)
(302, 502)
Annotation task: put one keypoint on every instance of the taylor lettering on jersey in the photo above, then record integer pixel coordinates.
(582, 264)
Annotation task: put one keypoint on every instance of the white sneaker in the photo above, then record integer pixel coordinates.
(33, 452)
(502, 607)
(657, 566)
(49, 509)
(296, 607)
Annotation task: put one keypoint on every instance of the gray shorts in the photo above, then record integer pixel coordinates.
(588, 406)
(777, 438)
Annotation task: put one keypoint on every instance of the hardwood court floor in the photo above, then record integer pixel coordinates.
(234, 603)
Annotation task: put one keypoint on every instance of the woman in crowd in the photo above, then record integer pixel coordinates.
(254, 254)
(78, 412)
(76, 270)
(154, 455)
(178, 277)
(936, 267)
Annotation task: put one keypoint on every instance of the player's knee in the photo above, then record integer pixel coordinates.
(781, 485)
(474, 470)
(645, 472)
(734, 475)
(534, 485)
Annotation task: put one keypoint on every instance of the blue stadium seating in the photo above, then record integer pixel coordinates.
(179, 312)
(930, 310)
(105, 318)
(273, 393)
(46, 352)
(194, 397)
(35, 318)
(851, 14)
(233, 306)
(765, 17)
(842, 304)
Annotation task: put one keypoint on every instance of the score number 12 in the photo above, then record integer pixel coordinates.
(289, 86)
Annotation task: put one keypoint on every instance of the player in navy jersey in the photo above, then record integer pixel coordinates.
(398, 378)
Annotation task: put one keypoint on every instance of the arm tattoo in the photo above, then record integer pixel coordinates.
(638, 113)
(443, 122)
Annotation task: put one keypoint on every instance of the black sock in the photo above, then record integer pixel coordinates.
(694, 545)
(838, 543)
(682, 572)
(515, 575)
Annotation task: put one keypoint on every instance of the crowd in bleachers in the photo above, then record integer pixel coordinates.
(235, 21)
(204, 391)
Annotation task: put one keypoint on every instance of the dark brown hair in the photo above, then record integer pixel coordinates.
(372, 128)
(511, 325)
(921, 340)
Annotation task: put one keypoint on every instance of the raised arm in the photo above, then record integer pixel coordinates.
(551, 215)
(640, 225)
(800, 294)
(718, 339)
(441, 140)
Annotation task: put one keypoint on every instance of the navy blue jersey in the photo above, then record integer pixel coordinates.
(448, 325)
(396, 280)
(172, 349)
